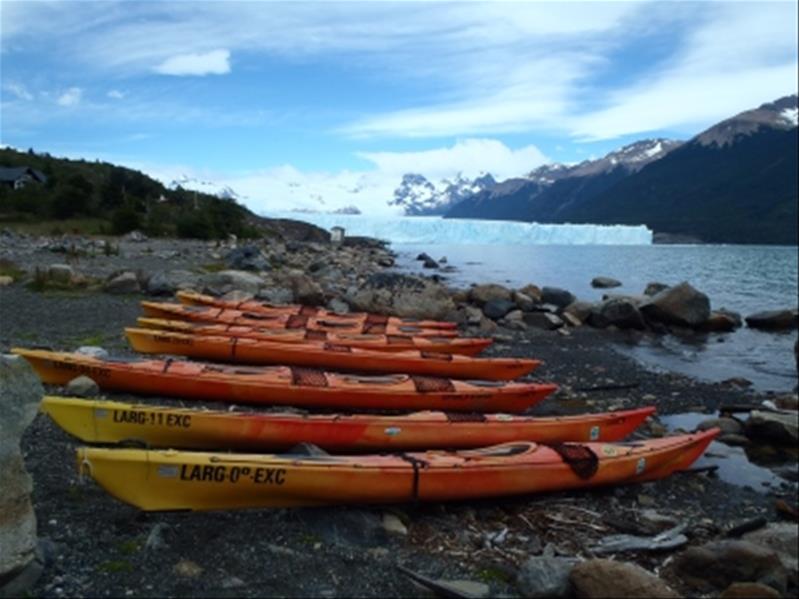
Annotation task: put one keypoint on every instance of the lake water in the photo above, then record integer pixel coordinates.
(745, 279)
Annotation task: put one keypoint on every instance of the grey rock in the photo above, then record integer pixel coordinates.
(167, 282)
(604, 282)
(781, 537)
(543, 320)
(781, 428)
(221, 282)
(127, 282)
(482, 294)
(545, 576)
(306, 291)
(654, 288)
(5, 280)
(338, 305)
(621, 313)
(402, 295)
(82, 386)
(60, 273)
(135, 236)
(728, 426)
(20, 393)
(580, 310)
(721, 321)
(276, 295)
(523, 301)
(680, 305)
(392, 524)
(430, 263)
(532, 291)
(466, 588)
(773, 320)
(155, 539)
(92, 350)
(595, 578)
(749, 590)
(717, 564)
(247, 257)
(497, 308)
(355, 528)
(559, 297)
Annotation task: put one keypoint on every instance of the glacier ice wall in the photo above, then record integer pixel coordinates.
(436, 230)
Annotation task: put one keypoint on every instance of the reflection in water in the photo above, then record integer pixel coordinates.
(735, 465)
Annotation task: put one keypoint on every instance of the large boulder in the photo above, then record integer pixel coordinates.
(557, 297)
(221, 282)
(680, 305)
(654, 288)
(579, 310)
(167, 282)
(305, 290)
(604, 578)
(542, 320)
(773, 320)
(717, 564)
(780, 428)
(20, 393)
(619, 312)
(781, 537)
(402, 295)
(482, 294)
(497, 308)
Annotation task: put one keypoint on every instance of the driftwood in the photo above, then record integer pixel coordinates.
(669, 539)
(748, 526)
(440, 589)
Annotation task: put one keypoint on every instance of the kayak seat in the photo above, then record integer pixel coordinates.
(431, 384)
(315, 335)
(580, 458)
(308, 377)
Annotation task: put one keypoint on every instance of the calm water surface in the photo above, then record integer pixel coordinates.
(745, 279)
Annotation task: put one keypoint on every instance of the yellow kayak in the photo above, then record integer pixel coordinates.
(96, 421)
(178, 480)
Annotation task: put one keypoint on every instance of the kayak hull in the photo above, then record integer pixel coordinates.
(95, 421)
(192, 298)
(322, 355)
(155, 480)
(385, 343)
(311, 323)
(280, 385)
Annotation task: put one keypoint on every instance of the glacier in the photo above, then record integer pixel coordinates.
(439, 231)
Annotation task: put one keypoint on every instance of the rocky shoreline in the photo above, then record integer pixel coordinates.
(550, 545)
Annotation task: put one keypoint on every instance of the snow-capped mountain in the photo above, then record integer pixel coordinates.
(221, 191)
(632, 157)
(781, 114)
(552, 188)
(417, 196)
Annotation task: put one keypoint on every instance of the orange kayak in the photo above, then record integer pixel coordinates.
(286, 385)
(311, 323)
(466, 346)
(184, 480)
(96, 421)
(317, 354)
(192, 298)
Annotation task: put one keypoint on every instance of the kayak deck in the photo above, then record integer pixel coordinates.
(94, 421)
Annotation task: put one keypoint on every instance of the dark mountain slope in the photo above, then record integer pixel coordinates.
(744, 191)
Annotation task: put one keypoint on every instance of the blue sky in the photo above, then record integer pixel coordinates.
(300, 104)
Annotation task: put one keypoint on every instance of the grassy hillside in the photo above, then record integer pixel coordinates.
(98, 197)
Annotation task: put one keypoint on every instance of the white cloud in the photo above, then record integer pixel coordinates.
(19, 90)
(469, 157)
(216, 62)
(70, 97)
(285, 187)
(115, 94)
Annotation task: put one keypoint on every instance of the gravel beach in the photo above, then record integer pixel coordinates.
(97, 546)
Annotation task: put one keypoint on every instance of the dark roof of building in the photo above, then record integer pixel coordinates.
(12, 173)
